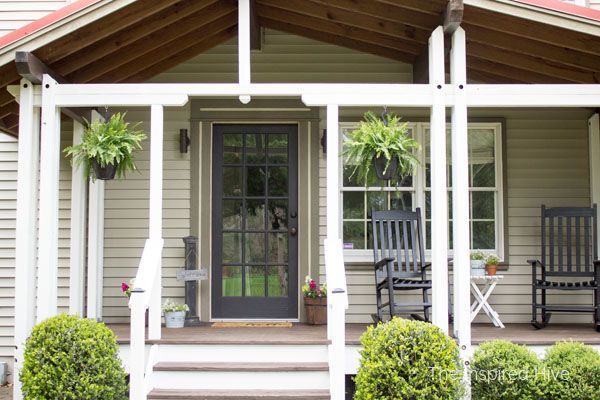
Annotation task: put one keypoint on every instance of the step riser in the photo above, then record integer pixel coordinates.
(242, 353)
(207, 380)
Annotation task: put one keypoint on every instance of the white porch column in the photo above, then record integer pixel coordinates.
(244, 46)
(155, 230)
(460, 194)
(439, 199)
(594, 142)
(48, 205)
(26, 232)
(78, 217)
(95, 244)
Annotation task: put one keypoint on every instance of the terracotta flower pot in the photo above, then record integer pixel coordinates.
(491, 269)
(105, 173)
(316, 310)
(380, 163)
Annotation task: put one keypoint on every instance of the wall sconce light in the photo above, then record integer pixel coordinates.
(324, 141)
(184, 141)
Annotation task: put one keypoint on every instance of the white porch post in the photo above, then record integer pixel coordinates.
(48, 205)
(439, 194)
(95, 244)
(77, 250)
(26, 233)
(244, 46)
(155, 230)
(460, 194)
(594, 143)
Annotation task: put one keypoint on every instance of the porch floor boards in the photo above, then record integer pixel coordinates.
(309, 334)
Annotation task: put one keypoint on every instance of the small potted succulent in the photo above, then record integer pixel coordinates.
(174, 314)
(315, 302)
(107, 148)
(383, 143)
(478, 259)
(491, 264)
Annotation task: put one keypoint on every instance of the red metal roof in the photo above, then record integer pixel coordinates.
(557, 5)
(45, 21)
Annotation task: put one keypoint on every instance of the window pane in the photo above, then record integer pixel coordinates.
(278, 149)
(377, 201)
(483, 175)
(481, 157)
(255, 148)
(401, 201)
(232, 148)
(277, 277)
(255, 281)
(354, 235)
(231, 280)
(483, 205)
(255, 247)
(483, 235)
(255, 214)
(232, 181)
(232, 214)
(278, 215)
(354, 205)
(255, 181)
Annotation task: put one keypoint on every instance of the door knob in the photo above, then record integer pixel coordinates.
(293, 231)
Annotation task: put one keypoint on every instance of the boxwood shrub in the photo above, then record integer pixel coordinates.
(501, 370)
(572, 372)
(71, 358)
(404, 359)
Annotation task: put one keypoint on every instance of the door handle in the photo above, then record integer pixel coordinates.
(293, 231)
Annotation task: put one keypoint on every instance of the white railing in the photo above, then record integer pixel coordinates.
(337, 304)
(147, 283)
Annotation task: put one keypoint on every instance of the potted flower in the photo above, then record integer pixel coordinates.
(174, 314)
(383, 143)
(126, 290)
(107, 148)
(315, 302)
(491, 264)
(478, 263)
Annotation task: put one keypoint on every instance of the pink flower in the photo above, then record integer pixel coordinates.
(312, 284)
(124, 287)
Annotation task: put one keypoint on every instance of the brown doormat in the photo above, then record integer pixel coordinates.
(251, 325)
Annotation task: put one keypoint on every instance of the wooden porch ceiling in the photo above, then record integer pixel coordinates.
(149, 37)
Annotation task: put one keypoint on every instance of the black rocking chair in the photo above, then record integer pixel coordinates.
(569, 261)
(398, 248)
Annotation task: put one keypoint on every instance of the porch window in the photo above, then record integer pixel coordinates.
(485, 186)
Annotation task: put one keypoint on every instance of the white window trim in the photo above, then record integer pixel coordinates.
(366, 255)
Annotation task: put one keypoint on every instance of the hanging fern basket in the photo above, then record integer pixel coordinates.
(380, 163)
(105, 173)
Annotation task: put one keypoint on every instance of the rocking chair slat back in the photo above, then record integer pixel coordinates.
(567, 233)
(398, 234)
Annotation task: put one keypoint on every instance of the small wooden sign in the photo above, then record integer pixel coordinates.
(192, 275)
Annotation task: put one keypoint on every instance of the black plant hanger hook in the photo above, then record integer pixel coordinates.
(384, 115)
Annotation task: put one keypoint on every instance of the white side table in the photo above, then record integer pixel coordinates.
(482, 295)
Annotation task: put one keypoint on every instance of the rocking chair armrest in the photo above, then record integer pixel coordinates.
(536, 263)
(425, 266)
(384, 261)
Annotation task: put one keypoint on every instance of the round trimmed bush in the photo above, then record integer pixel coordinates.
(506, 371)
(70, 358)
(404, 359)
(572, 372)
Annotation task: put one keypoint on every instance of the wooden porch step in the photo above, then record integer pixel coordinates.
(173, 394)
(241, 366)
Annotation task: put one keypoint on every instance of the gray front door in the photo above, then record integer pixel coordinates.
(255, 221)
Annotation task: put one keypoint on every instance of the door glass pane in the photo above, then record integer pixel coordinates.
(278, 248)
(255, 148)
(232, 248)
(232, 181)
(255, 281)
(232, 148)
(277, 280)
(255, 247)
(255, 214)
(278, 215)
(278, 181)
(278, 149)
(255, 181)
(231, 280)
(232, 214)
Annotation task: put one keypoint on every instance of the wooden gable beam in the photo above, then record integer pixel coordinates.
(453, 16)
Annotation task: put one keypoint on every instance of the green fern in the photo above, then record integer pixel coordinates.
(111, 142)
(375, 138)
